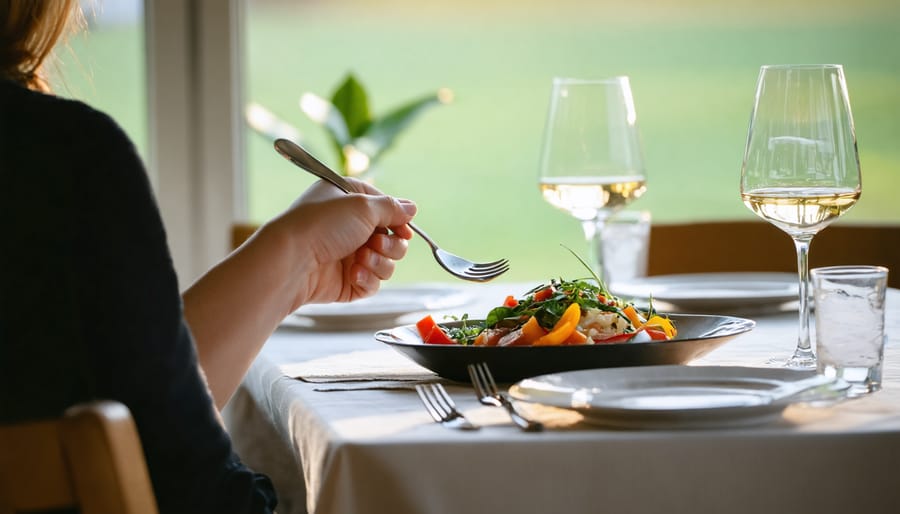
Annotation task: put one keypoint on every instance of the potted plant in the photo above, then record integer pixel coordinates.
(358, 137)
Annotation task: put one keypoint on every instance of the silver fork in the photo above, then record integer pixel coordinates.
(454, 264)
(488, 394)
(441, 407)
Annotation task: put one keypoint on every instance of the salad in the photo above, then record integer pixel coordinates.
(561, 312)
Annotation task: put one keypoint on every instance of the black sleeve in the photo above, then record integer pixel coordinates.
(140, 347)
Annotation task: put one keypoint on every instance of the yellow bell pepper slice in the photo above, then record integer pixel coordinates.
(532, 331)
(575, 337)
(563, 328)
(663, 324)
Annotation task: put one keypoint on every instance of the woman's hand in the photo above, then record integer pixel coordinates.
(346, 244)
(328, 246)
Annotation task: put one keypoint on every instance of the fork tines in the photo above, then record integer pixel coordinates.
(482, 379)
(441, 407)
(466, 269)
(489, 270)
(488, 394)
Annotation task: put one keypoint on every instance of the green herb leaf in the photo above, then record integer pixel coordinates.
(498, 314)
(600, 283)
(466, 332)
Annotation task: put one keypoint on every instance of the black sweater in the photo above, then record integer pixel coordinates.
(89, 301)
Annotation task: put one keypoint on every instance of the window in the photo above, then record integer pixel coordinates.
(472, 165)
(171, 86)
(105, 66)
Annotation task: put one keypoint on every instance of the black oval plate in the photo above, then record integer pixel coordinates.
(697, 335)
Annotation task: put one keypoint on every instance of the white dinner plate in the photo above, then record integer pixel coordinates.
(712, 292)
(668, 397)
(385, 307)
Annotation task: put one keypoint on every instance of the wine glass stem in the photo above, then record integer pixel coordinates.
(590, 228)
(804, 349)
(593, 233)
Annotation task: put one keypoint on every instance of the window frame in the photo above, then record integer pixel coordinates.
(195, 132)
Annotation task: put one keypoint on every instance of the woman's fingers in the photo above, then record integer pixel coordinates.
(390, 246)
(364, 281)
(377, 264)
(381, 253)
(394, 213)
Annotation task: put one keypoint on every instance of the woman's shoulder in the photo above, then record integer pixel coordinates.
(38, 115)
(66, 135)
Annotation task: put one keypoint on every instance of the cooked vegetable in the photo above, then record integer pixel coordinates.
(561, 312)
(432, 333)
(563, 328)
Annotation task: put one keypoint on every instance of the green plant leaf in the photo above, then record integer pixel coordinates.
(384, 130)
(351, 100)
(328, 116)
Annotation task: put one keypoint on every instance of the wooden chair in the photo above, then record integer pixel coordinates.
(90, 459)
(759, 246)
(241, 232)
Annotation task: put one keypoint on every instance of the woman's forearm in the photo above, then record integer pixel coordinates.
(234, 308)
(302, 256)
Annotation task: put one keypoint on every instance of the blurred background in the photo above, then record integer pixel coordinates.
(471, 165)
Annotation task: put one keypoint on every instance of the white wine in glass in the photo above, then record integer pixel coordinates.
(801, 166)
(591, 162)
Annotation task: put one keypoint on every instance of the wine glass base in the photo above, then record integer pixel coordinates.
(799, 361)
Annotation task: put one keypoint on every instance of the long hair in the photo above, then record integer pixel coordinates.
(29, 29)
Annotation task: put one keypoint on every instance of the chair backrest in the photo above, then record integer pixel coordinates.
(760, 246)
(90, 459)
(241, 232)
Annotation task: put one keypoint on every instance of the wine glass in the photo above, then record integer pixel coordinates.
(801, 167)
(591, 162)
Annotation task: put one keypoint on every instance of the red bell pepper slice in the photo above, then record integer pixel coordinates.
(510, 301)
(656, 335)
(619, 338)
(425, 325)
(543, 294)
(431, 332)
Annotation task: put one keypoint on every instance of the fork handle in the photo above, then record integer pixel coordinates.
(520, 421)
(297, 155)
(303, 159)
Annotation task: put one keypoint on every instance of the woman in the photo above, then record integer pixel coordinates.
(89, 303)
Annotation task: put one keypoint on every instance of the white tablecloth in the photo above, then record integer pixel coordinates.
(337, 445)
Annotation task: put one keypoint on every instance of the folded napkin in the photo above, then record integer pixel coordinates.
(384, 365)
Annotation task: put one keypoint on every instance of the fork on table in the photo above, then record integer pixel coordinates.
(488, 394)
(441, 407)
